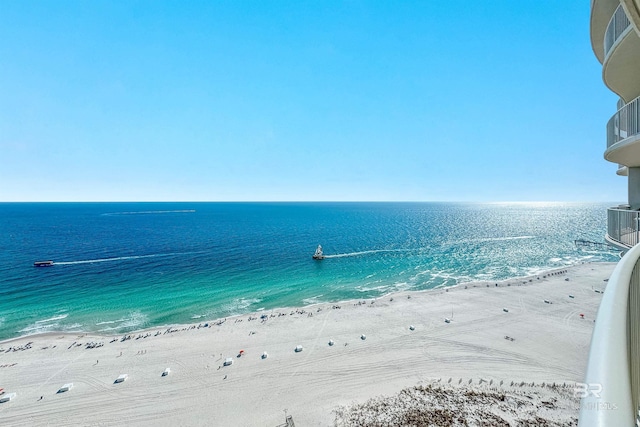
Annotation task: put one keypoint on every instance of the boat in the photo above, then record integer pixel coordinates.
(318, 254)
(43, 263)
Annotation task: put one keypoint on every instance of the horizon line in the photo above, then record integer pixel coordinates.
(309, 201)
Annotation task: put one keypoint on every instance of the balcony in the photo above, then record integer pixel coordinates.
(623, 135)
(611, 390)
(618, 24)
(622, 170)
(622, 227)
(601, 12)
(621, 49)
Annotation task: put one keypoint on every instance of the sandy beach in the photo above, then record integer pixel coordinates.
(534, 330)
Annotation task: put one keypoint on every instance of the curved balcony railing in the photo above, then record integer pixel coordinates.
(625, 123)
(611, 391)
(617, 25)
(622, 226)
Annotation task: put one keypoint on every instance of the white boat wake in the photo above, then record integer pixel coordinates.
(122, 258)
(368, 252)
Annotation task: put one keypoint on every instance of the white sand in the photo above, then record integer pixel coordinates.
(551, 345)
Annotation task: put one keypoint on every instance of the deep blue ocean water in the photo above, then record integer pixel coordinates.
(125, 266)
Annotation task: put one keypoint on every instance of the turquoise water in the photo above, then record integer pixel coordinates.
(125, 266)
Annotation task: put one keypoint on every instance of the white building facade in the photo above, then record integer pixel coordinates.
(611, 389)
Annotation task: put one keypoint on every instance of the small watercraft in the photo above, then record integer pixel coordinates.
(318, 254)
(43, 263)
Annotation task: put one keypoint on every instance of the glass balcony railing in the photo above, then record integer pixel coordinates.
(622, 226)
(617, 25)
(625, 123)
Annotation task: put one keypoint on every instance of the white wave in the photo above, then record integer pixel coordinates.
(240, 305)
(529, 272)
(48, 325)
(74, 326)
(38, 328)
(136, 320)
(401, 286)
(246, 302)
(379, 288)
(110, 322)
(312, 300)
(53, 319)
(422, 273)
(488, 273)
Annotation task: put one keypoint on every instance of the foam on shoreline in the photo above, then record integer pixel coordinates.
(547, 343)
(514, 281)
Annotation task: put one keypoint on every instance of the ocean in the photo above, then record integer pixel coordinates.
(120, 267)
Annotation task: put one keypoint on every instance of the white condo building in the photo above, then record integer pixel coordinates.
(611, 390)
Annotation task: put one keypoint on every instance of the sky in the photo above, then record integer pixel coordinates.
(278, 100)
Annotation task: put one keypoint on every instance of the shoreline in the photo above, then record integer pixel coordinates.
(543, 336)
(515, 281)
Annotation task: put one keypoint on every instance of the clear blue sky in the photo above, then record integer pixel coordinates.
(302, 100)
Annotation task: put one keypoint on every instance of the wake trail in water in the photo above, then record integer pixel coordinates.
(368, 252)
(488, 239)
(122, 258)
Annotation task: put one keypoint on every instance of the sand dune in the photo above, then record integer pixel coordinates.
(549, 344)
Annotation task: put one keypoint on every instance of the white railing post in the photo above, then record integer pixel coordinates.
(617, 25)
(623, 226)
(624, 123)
